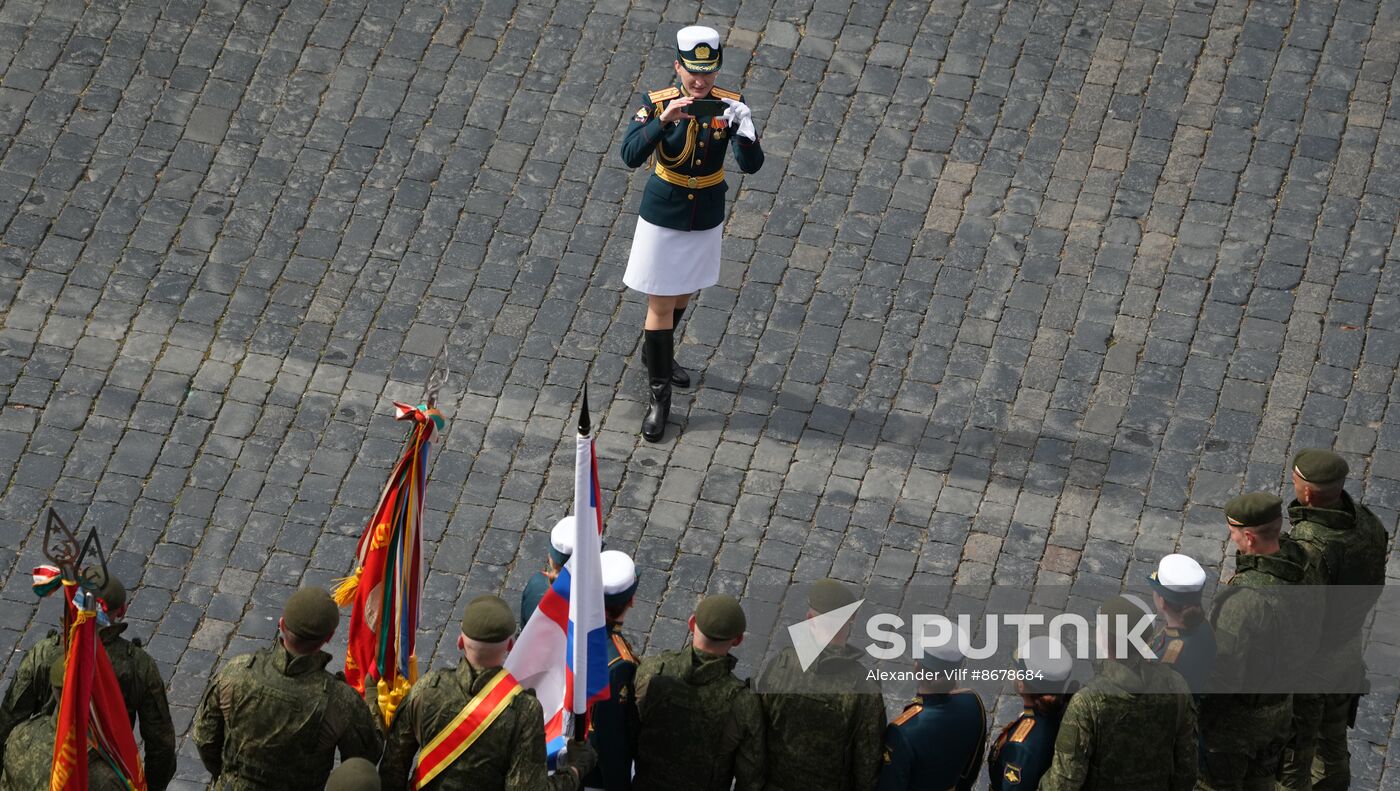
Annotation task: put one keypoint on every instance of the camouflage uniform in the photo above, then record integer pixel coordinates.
(825, 726)
(273, 720)
(612, 723)
(142, 688)
(1348, 544)
(29, 758)
(1132, 726)
(1244, 733)
(509, 754)
(701, 727)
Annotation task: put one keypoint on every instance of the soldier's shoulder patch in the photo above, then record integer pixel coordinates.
(910, 712)
(1012, 773)
(721, 93)
(643, 114)
(1022, 730)
(1172, 651)
(664, 94)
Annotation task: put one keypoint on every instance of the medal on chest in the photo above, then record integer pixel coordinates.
(717, 128)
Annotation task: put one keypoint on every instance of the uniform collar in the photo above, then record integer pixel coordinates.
(1288, 563)
(475, 678)
(1341, 516)
(289, 664)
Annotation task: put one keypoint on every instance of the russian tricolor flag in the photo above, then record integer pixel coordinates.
(568, 630)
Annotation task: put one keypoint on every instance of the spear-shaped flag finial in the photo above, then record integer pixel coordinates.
(584, 425)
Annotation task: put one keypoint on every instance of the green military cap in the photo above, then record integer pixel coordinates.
(828, 594)
(311, 614)
(1316, 465)
(57, 670)
(488, 619)
(106, 587)
(354, 774)
(720, 617)
(1253, 509)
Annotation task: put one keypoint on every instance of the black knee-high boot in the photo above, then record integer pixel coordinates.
(657, 351)
(679, 376)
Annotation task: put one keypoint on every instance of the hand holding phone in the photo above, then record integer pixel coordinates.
(706, 108)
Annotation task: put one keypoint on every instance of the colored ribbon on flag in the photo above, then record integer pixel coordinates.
(388, 580)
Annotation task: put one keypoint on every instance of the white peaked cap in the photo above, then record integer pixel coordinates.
(687, 38)
(619, 572)
(1181, 574)
(562, 536)
(949, 651)
(1046, 657)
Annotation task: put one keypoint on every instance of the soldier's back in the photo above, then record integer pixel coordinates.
(807, 712)
(700, 727)
(433, 704)
(283, 717)
(1128, 728)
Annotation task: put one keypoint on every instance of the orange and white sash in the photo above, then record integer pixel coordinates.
(466, 727)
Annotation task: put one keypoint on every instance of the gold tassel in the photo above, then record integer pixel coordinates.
(389, 699)
(347, 588)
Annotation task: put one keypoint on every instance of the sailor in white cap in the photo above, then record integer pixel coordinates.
(1187, 642)
(684, 130)
(612, 725)
(561, 546)
(939, 739)
(1024, 750)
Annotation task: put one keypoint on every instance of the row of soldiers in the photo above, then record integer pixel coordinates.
(683, 720)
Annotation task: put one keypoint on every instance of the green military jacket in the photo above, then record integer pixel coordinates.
(825, 725)
(700, 727)
(29, 761)
(1132, 726)
(273, 720)
(142, 688)
(692, 153)
(508, 756)
(1349, 545)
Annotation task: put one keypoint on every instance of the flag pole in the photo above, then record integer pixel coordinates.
(585, 428)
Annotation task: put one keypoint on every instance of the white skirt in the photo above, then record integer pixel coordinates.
(668, 263)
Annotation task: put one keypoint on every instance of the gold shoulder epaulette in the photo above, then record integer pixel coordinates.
(1023, 730)
(1173, 651)
(664, 94)
(910, 711)
(720, 93)
(624, 651)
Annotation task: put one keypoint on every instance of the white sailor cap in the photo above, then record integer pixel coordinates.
(698, 49)
(619, 577)
(1047, 662)
(946, 655)
(561, 540)
(1178, 579)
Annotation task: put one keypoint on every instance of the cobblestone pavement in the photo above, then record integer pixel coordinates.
(1025, 291)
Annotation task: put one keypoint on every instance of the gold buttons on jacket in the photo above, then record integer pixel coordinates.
(691, 196)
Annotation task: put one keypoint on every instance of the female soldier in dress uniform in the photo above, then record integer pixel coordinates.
(676, 247)
(1026, 747)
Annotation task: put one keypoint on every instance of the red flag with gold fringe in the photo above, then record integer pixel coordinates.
(388, 578)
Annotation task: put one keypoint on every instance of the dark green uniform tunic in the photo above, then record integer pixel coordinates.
(701, 729)
(826, 725)
(1189, 651)
(1349, 546)
(1022, 753)
(689, 149)
(273, 720)
(936, 743)
(612, 727)
(29, 759)
(1245, 731)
